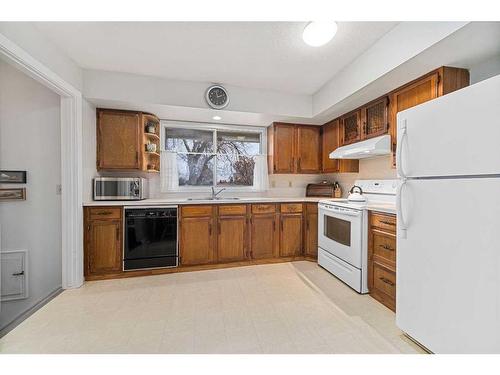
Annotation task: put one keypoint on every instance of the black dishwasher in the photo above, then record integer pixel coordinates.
(150, 238)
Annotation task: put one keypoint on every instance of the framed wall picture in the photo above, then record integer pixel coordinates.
(12, 177)
(15, 194)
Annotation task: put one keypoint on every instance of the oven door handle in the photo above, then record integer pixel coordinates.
(340, 214)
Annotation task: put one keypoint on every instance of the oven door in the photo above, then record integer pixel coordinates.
(340, 232)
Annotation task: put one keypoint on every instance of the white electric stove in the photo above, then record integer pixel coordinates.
(343, 231)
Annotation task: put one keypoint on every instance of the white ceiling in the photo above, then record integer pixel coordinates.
(260, 55)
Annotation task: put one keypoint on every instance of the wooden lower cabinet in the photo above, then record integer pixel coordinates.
(291, 235)
(196, 235)
(311, 230)
(103, 240)
(382, 258)
(231, 238)
(263, 236)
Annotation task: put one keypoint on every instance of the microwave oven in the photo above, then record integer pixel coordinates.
(120, 188)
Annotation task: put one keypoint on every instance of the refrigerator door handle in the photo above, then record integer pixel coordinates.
(402, 226)
(399, 151)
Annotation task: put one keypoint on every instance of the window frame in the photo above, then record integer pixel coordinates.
(262, 131)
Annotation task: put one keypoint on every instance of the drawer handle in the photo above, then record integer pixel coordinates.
(18, 273)
(387, 247)
(387, 281)
(387, 222)
(104, 213)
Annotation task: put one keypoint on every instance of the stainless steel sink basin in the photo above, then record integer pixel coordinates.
(214, 199)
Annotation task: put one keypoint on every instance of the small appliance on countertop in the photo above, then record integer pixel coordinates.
(323, 189)
(120, 188)
(356, 196)
(343, 231)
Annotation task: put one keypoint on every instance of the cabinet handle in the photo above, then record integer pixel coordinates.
(18, 273)
(298, 165)
(137, 156)
(387, 222)
(387, 281)
(218, 226)
(282, 224)
(307, 224)
(292, 164)
(387, 247)
(104, 213)
(274, 226)
(117, 233)
(210, 229)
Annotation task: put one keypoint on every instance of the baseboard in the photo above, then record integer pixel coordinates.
(25, 315)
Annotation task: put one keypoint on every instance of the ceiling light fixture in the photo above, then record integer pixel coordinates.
(319, 33)
(217, 118)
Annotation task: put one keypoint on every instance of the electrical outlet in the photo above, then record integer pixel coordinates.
(58, 189)
(273, 183)
(289, 183)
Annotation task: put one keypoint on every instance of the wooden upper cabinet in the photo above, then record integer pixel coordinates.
(283, 141)
(374, 118)
(118, 139)
(122, 139)
(350, 128)
(330, 139)
(308, 149)
(231, 238)
(294, 148)
(437, 83)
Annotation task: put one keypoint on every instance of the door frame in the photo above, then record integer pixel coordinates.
(71, 157)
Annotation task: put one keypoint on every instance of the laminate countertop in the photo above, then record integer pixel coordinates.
(380, 207)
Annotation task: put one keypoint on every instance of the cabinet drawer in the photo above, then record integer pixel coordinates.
(291, 207)
(383, 221)
(384, 280)
(384, 245)
(232, 209)
(263, 208)
(193, 211)
(105, 213)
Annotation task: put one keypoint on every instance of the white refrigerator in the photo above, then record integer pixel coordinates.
(448, 203)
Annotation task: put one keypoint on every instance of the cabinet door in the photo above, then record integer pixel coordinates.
(330, 141)
(283, 158)
(375, 119)
(104, 246)
(118, 140)
(231, 238)
(291, 235)
(414, 94)
(351, 128)
(308, 149)
(196, 240)
(311, 240)
(263, 236)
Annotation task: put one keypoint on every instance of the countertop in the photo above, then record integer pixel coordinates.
(380, 207)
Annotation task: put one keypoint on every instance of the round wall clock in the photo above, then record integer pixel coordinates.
(217, 97)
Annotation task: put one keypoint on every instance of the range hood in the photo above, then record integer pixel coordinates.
(365, 149)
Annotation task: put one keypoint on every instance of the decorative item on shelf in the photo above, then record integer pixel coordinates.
(150, 147)
(151, 127)
(17, 194)
(12, 177)
(337, 191)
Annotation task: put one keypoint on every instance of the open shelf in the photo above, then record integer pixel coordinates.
(152, 135)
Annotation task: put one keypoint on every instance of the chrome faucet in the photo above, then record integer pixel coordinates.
(214, 194)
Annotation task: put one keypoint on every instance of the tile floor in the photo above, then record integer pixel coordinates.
(277, 308)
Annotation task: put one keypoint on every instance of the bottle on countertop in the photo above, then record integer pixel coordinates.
(337, 191)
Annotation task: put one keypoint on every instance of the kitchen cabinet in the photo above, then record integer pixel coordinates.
(231, 233)
(382, 258)
(330, 142)
(350, 128)
(263, 231)
(291, 226)
(374, 118)
(434, 84)
(103, 240)
(127, 140)
(294, 148)
(197, 237)
(311, 230)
